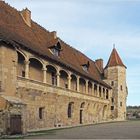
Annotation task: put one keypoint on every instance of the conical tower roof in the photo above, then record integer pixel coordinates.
(114, 59)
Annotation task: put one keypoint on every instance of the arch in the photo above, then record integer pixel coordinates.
(82, 85)
(63, 79)
(33, 57)
(51, 75)
(70, 109)
(73, 82)
(89, 87)
(20, 64)
(22, 53)
(81, 112)
(82, 105)
(35, 69)
(50, 64)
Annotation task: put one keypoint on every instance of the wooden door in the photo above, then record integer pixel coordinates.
(15, 124)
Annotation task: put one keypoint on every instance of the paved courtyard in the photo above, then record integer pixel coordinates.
(120, 130)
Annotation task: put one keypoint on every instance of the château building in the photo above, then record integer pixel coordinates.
(45, 83)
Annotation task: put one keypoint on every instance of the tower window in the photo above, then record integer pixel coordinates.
(120, 103)
(112, 99)
(112, 107)
(41, 112)
(112, 83)
(121, 87)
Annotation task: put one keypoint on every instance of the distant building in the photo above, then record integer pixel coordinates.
(45, 83)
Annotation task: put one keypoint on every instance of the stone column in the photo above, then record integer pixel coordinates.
(44, 74)
(97, 91)
(87, 87)
(92, 89)
(78, 78)
(27, 62)
(58, 79)
(69, 81)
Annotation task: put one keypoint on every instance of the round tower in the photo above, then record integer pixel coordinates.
(115, 74)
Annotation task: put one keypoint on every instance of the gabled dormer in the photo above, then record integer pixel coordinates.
(56, 49)
(86, 66)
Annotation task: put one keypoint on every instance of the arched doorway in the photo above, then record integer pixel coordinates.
(104, 112)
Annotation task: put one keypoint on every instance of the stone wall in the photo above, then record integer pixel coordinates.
(55, 103)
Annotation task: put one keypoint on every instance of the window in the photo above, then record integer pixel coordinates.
(85, 68)
(112, 99)
(100, 91)
(55, 52)
(66, 85)
(121, 87)
(95, 89)
(107, 94)
(112, 83)
(112, 107)
(23, 73)
(120, 103)
(41, 112)
(70, 109)
(54, 79)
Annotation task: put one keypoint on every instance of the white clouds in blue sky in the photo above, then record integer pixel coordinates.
(92, 26)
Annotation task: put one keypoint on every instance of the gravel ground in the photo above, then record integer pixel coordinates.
(119, 130)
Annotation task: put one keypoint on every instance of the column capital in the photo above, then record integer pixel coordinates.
(26, 62)
(44, 69)
(58, 73)
(69, 77)
(78, 77)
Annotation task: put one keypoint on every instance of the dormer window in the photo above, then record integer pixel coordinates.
(86, 66)
(55, 50)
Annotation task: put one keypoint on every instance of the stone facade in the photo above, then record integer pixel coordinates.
(39, 92)
(88, 105)
(53, 99)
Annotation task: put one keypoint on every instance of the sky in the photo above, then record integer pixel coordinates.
(93, 26)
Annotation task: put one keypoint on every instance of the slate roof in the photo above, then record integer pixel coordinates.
(37, 39)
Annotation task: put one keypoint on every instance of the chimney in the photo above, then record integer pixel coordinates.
(54, 34)
(99, 64)
(26, 15)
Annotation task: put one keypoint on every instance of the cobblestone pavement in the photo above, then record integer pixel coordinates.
(119, 130)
